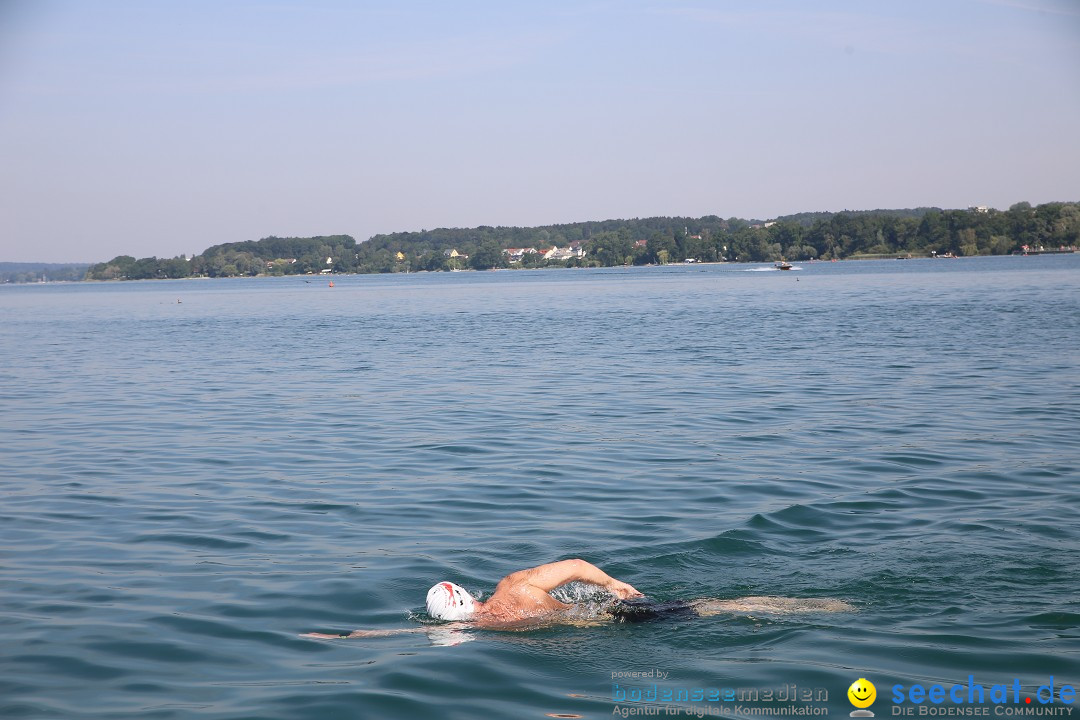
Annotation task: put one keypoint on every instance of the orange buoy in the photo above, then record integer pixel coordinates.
(331, 283)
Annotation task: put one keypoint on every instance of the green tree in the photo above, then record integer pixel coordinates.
(966, 240)
(610, 248)
(661, 248)
(532, 260)
(486, 256)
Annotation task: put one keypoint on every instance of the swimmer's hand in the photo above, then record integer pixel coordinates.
(622, 590)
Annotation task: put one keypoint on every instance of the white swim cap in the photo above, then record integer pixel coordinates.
(447, 601)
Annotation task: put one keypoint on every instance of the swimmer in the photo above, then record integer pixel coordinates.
(523, 595)
(526, 596)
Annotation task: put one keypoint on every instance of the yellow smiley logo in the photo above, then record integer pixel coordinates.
(862, 693)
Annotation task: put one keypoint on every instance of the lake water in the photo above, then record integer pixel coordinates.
(187, 486)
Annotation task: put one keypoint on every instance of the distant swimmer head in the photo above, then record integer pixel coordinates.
(447, 601)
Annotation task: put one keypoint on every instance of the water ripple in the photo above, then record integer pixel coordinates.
(190, 486)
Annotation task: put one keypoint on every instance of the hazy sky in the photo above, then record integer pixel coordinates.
(160, 128)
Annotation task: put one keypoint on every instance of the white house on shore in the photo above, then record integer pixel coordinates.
(517, 254)
(557, 253)
(574, 250)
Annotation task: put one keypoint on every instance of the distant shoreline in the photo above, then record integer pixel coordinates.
(1050, 228)
(330, 276)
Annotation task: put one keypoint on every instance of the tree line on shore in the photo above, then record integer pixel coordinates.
(658, 240)
(12, 272)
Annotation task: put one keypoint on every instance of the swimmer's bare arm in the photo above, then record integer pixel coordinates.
(553, 575)
(379, 633)
(361, 633)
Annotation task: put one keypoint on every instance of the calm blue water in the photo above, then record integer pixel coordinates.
(188, 486)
